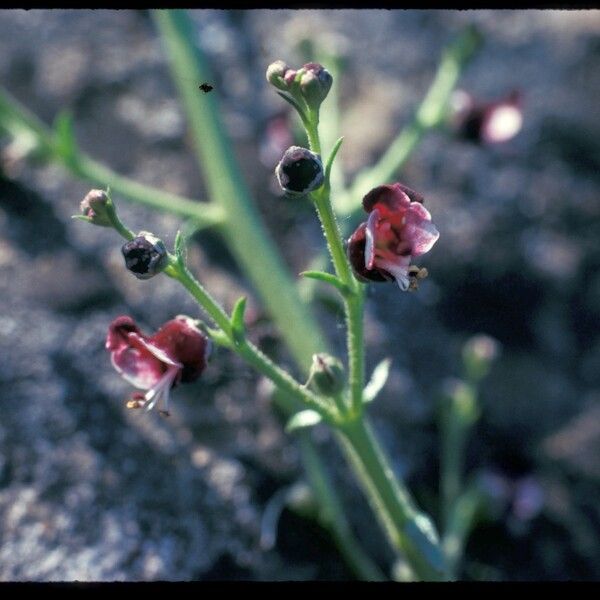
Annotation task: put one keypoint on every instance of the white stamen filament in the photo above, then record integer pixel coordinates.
(161, 390)
(399, 272)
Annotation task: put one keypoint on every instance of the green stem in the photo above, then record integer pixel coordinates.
(262, 363)
(356, 350)
(408, 530)
(333, 236)
(332, 516)
(246, 236)
(20, 123)
(453, 440)
(430, 113)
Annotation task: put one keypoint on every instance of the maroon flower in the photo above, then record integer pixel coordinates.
(487, 122)
(399, 227)
(176, 353)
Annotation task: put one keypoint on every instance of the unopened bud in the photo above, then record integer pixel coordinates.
(300, 171)
(97, 208)
(145, 255)
(315, 83)
(326, 375)
(478, 354)
(275, 74)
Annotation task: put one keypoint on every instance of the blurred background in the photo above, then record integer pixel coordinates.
(91, 491)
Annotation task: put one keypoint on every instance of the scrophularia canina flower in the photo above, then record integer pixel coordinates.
(492, 122)
(177, 353)
(398, 228)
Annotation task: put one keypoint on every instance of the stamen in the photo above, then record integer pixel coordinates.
(161, 390)
(399, 272)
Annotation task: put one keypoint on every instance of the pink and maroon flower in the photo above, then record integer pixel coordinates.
(492, 122)
(399, 228)
(177, 353)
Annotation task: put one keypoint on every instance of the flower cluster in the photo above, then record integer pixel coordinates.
(310, 83)
(177, 353)
(398, 228)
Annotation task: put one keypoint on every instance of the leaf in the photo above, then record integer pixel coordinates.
(298, 108)
(327, 278)
(180, 247)
(304, 418)
(331, 158)
(64, 137)
(238, 327)
(377, 381)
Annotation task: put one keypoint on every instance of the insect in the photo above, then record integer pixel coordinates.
(205, 87)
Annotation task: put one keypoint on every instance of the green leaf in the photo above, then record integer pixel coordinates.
(377, 381)
(298, 108)
(327, 278)
(64, 137)
(238, 327)
(302, 419)
(331, 158)
(180, 247)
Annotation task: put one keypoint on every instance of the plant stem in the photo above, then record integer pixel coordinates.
(408, 530)
(333, 517)
(246, 236)
(430, 113)
(262, 363)
(22, 124)
(354, 305)
(332, 235)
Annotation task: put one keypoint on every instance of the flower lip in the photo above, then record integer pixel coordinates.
(177, 353)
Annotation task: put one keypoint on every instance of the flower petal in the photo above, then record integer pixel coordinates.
(419, 230)
(138, 367)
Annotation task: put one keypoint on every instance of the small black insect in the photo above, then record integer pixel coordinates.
(205, 87)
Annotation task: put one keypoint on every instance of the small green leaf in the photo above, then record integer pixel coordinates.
(298, 108)
(238, 327)
(331, 158)
(180, 247)
(377, 381)
(304, 418)
(64, 137)
(327, 278)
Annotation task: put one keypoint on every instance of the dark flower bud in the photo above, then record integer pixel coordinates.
(145, 255)
(97, 208)
(276, 72)
(326, 375)
(300, 171)
(315, 83)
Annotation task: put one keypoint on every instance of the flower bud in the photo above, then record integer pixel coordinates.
(276, 72)
(145, 255)
(326, 375)
(315, 83)
(300, 171)
(478, 354)
(97, 208)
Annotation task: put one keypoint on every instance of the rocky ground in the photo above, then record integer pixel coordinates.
(91, 491)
